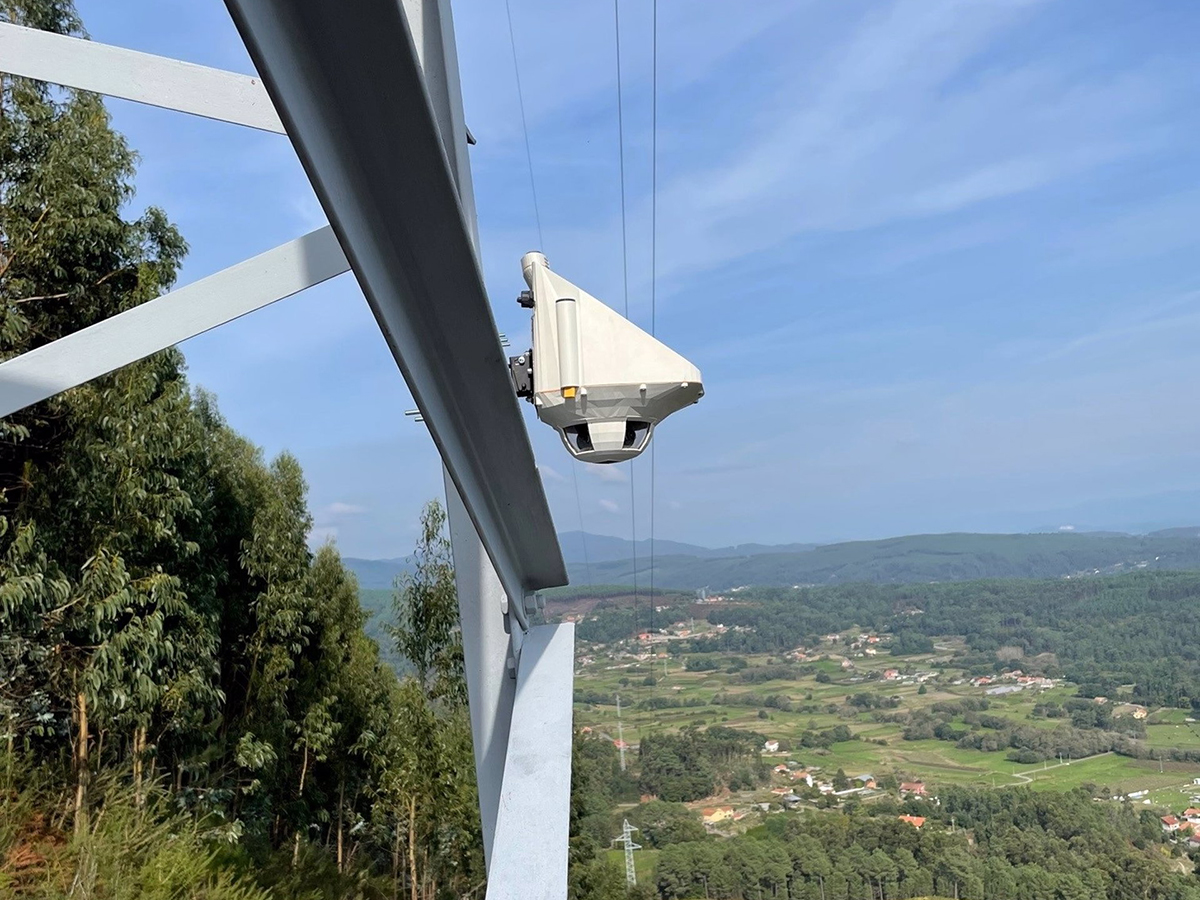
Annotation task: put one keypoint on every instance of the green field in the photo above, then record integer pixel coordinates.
(644, 862)
(880, 749)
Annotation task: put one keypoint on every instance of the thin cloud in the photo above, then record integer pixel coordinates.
(550, 474)
(322, 534)
(609, 474)
(338, 508)
(610, 506)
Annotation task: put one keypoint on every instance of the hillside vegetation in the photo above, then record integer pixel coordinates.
(189, 706)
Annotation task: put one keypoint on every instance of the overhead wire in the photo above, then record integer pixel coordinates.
(653, 252)
(625, 271)
(537, 215)
(512, 40)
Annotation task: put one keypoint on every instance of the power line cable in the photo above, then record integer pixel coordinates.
(512, 40)
(653, 253)
(625, 269)
(537, 215)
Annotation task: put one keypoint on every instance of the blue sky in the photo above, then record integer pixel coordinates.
(938, 261)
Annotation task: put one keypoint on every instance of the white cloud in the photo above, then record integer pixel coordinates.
(321, 534)
(1066, 527)
(550, 474)
(338, 508)
(610, 506)
(609, 474)
(884, 129)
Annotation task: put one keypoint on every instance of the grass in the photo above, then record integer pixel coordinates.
(1180, 734)
(644, 862)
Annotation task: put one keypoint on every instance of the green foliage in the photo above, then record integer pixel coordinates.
(1015, 844)
(140, 849)
(661, 823)
(426, 609)
(187, 682)
(690, 765)
(1101, 633)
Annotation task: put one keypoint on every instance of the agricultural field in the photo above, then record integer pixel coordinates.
(819, 701)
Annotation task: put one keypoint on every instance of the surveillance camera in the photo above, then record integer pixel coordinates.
(600, 381)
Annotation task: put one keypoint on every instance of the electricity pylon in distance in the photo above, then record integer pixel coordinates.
(626, 840)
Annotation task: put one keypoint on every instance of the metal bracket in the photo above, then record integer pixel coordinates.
(520, 369)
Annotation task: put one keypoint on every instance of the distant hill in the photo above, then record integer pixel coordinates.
(924, 557)
(381, 573)
(919, 557)
(376, 574)
(606, 548)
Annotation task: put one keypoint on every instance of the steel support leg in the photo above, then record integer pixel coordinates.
(490, 682)
(529, 855)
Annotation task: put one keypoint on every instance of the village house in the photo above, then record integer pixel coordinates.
(914, 821)
(781, 769)
(1170, 824)
(866, 781)
(846, 664)
(771, 746)
(917, 788)
(890, 674)
(714, 814)
(870, 651)
(806, 777)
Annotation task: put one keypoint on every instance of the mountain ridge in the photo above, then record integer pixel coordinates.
(952, 556)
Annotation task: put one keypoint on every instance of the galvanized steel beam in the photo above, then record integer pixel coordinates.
(140, 77)
(529, 856)
(167, 320)
(347, 82)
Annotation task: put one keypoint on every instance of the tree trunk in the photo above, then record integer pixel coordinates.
(139, 750)
(82, 774)
(412, 846)
(396, 863)
(303, 772)
(821, 879)
(341, 801)
(299, 794)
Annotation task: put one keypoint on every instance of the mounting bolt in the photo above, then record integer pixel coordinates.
(525, 299)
